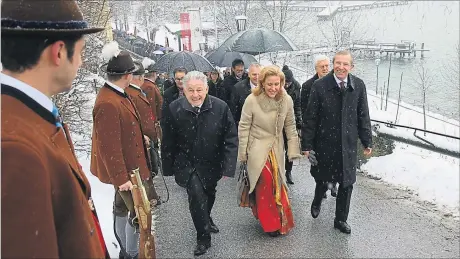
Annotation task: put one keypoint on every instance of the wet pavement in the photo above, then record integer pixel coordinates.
(385, 222)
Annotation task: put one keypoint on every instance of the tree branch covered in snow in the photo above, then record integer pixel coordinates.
(75, 106)
(452, 70)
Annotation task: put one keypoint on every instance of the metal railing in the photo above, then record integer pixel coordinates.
(423, 143)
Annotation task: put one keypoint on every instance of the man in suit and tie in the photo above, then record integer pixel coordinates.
(337, 115)
(118, 144)
(47, 210)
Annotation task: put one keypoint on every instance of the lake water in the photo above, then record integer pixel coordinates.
(434, 23)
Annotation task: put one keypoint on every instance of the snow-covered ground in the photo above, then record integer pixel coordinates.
(430, 175)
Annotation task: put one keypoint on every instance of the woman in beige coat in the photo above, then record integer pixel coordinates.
(266, 112)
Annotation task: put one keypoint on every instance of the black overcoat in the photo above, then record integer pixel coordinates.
(332, 124)
(204, 141)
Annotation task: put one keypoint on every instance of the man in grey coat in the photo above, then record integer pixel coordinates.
(337, 115)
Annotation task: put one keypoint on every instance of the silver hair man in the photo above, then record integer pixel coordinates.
(321, 64)
(195, 75)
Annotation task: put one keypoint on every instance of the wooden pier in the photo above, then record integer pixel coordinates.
(404, 48)
(325, 12)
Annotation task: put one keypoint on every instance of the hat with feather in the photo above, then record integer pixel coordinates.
(119, 62)
(149, 65)
(43, 17)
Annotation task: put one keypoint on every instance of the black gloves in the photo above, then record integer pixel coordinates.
(312, 158)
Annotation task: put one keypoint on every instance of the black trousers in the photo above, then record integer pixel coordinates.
(287, 164)
(342, 204)
(201, 201)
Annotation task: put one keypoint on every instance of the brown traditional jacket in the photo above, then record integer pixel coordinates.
(117, 142)
(154, 97)
(45, 194)
(145, 111)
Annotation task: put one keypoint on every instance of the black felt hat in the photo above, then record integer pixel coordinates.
(119, 62)
(140, 69)
(43, 17)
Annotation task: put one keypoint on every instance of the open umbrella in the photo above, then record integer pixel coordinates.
(220, 57)
(185, 59)
(258, 41)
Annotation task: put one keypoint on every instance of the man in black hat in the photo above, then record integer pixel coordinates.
(293, 89)
(118, 144)
(47, 210)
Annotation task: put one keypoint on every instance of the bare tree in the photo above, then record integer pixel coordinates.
(75, 105)
(423, 79)
(281, 14)
(452, 70)
(342, 29)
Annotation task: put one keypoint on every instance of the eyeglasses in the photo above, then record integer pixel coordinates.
(179, 79)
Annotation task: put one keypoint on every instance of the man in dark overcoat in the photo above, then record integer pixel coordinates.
(118, 145)
(199, 146)
(337, 115)
(47, 210)
(321, 64)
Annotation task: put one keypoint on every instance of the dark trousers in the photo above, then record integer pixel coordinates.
(342, 204)
(287, 164)
(201, 201)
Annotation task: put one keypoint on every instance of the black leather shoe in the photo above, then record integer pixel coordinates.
(213, 228)
(315, 210)
(342, 226)
(274, 233)
(201, 249)
(334, 190)
(289, 177)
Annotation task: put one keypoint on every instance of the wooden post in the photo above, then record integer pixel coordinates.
(388, 84)
(399, 98)
(423, 47)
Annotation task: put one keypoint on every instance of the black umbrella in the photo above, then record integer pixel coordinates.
(258, 41)
(187, 60)
(220, 57)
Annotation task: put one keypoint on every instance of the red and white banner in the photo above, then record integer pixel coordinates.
(186, 33)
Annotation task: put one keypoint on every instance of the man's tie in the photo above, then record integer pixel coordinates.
(196, 109)
(57, 116)
(342, 86)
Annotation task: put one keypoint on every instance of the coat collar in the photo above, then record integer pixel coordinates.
(207, 104)
(269, 104)
(29, 102)
(112, 88)
(333, 84)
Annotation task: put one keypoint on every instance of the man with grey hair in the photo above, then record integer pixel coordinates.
(243, 89)
(199, 146)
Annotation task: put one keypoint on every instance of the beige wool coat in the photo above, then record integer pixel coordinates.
(261, 128)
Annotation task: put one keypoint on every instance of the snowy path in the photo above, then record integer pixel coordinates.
(385, 222)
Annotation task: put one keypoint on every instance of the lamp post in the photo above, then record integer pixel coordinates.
(202, 46)
(241, 22)
(377, 63)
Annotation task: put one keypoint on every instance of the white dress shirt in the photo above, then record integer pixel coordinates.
(119, 89)
(33, 93)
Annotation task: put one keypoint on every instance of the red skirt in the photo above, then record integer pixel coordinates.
(272, 217)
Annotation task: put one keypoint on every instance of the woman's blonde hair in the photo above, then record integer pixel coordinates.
(264, 74)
